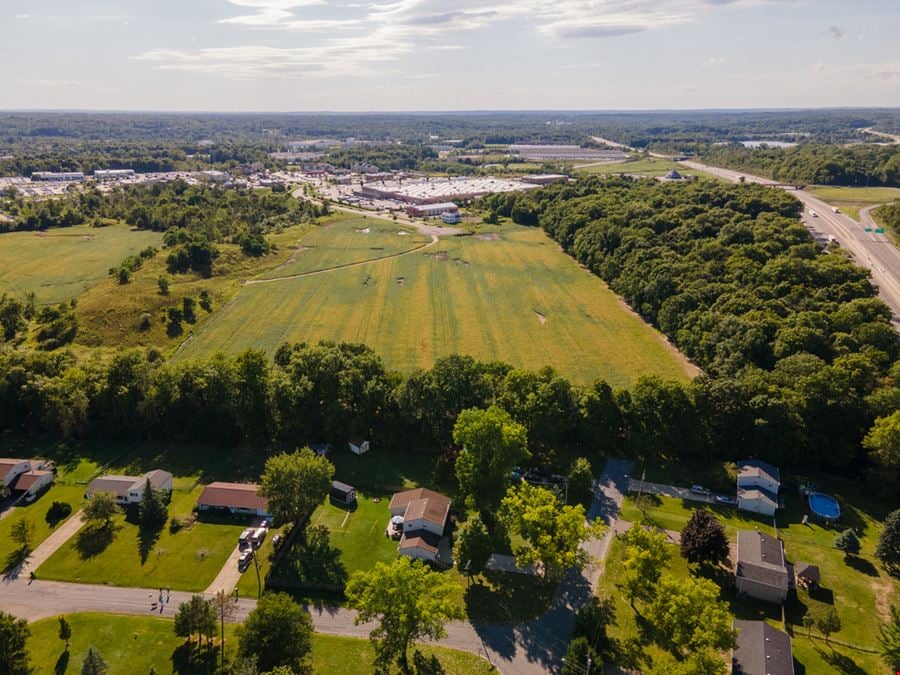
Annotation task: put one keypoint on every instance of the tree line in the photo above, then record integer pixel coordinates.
(855, 165)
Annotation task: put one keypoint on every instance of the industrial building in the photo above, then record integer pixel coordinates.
(57, 176)
(113, 174)
(435, 191)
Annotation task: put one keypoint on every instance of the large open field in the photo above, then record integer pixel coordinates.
(646, 166)
(512, 295)
(61, 263)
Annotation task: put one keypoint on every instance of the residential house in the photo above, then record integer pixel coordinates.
(129, 490)
(424, 514)
(233, 498)
(761, 571)
(11, 468)
(758, 484)
(31, 483)
(761, 650)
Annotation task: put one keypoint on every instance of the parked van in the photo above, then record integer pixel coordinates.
(258, 536)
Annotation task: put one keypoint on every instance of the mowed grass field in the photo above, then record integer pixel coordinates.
(135, 644)
(513, 296)
(851, 199)
(61, 263)
(647, 166)
(345, 240)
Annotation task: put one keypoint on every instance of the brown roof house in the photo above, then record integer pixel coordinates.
(761, 571)
(130, 489)
(236, 498)
(761, 650)
(10, 469)
(424, 514)
(31, 483)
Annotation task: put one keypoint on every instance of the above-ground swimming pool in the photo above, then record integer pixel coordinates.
(824, 506)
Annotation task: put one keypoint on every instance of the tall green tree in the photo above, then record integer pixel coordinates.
(883, 444)
(13, 645)
(100, 508)
(703, 539)
(93, 663)
(580, 486)
(828, 622)
(473, 546)
(409, 601)
(492, 445)
(65, 631)
(848, 542)
(552, 532)
(889, 639)
(196, 615)
(703, 661)
(581, 659)
(687, 615)
(278, 632)
(646, 556)
(295, 484)
(888, 548)
(153, 511)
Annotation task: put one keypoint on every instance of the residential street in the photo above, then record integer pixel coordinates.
(532, 647)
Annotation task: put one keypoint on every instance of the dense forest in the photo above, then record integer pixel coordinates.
(889, 214)
(792, 336)
(856, 165)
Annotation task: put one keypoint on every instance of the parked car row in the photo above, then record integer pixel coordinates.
(249, 541)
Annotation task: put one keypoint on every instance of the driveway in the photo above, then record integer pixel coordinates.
(46, 548)
(229, 576)
(669, 491)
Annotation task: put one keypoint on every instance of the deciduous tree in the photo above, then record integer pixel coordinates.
(473, 546)
(100, 508)
(13, 645)
(295, 484)
(828, 622)
(492, 444)
(580, 482)
(552, 533)
(409, 601)
(703, 539)
(277, 633)
(646, 555)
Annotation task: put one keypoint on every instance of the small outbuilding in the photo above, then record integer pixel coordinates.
(342, 493)
(807, 576)
(358, 445)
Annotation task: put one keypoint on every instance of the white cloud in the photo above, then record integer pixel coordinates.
(835, 32)
(712, 61)
(68, 84)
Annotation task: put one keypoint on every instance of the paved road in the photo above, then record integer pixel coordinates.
(873, 251)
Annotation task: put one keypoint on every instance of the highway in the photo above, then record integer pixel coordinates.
(873, 251)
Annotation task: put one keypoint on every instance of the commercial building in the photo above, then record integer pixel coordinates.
(113, 174)
(451, 218)
(59, 176)
(761, 571)
(431, 210)
(435, 191)
(130, 489)
(214, 176)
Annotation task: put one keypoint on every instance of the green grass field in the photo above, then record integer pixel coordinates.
(851, 199)
(344, 240)
(647, 166)
(36, 512)
(131, 644)
(513, 296)
(187, 560)
(61, 263)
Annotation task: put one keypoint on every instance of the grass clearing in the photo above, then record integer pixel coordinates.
(851, 199)
(61, 263)
(132, 644)
(477, 295)
(36, 512)
(186, 560)
(642, 166)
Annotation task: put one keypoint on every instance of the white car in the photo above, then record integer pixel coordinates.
(835, 209)
(700, 490)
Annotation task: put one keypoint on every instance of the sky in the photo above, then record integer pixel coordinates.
(376, 55)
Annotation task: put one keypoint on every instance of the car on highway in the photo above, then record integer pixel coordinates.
(700, 490)
(835, 209)
(726, 501)
(813, 213)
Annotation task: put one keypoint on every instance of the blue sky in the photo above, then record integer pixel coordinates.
(293, 55)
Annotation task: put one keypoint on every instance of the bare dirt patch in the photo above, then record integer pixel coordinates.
(540, 317)
(882, 589)
(362, 230)
(488, 236)
(400, 281)
(403, 234)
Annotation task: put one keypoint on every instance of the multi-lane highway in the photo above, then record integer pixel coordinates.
(871, 250)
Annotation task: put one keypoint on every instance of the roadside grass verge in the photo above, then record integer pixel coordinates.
(851, 199)
(132, 644)
(36, 512)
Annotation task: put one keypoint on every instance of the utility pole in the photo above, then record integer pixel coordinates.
(258, 581)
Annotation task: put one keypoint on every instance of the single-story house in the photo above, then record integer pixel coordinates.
(234, 498)
(807, 576)
(761, 650)
(10, 469)
(341, 492)
(758, 484)
(358, 446)
(424, 514)
(130, 489)
(761, 571)
(32, 482)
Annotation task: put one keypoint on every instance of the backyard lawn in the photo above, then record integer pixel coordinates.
(135, 644)
(36, 512)
(186, 560)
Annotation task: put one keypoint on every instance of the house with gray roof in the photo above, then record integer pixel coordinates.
(761, 650)
(130, 489)
(758, 484)
(761, 570)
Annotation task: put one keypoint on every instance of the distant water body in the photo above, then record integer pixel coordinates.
(771, 144)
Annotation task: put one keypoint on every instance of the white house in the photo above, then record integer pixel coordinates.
(32, 482)
(358, 446)
(10, 469)
(233, 498)
(761, 571)
(130, 489)
(758, 484)
(424, 514)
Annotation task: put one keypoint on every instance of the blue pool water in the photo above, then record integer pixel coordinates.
(824, 506)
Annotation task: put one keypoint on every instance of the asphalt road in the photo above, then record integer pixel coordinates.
(873, 251)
